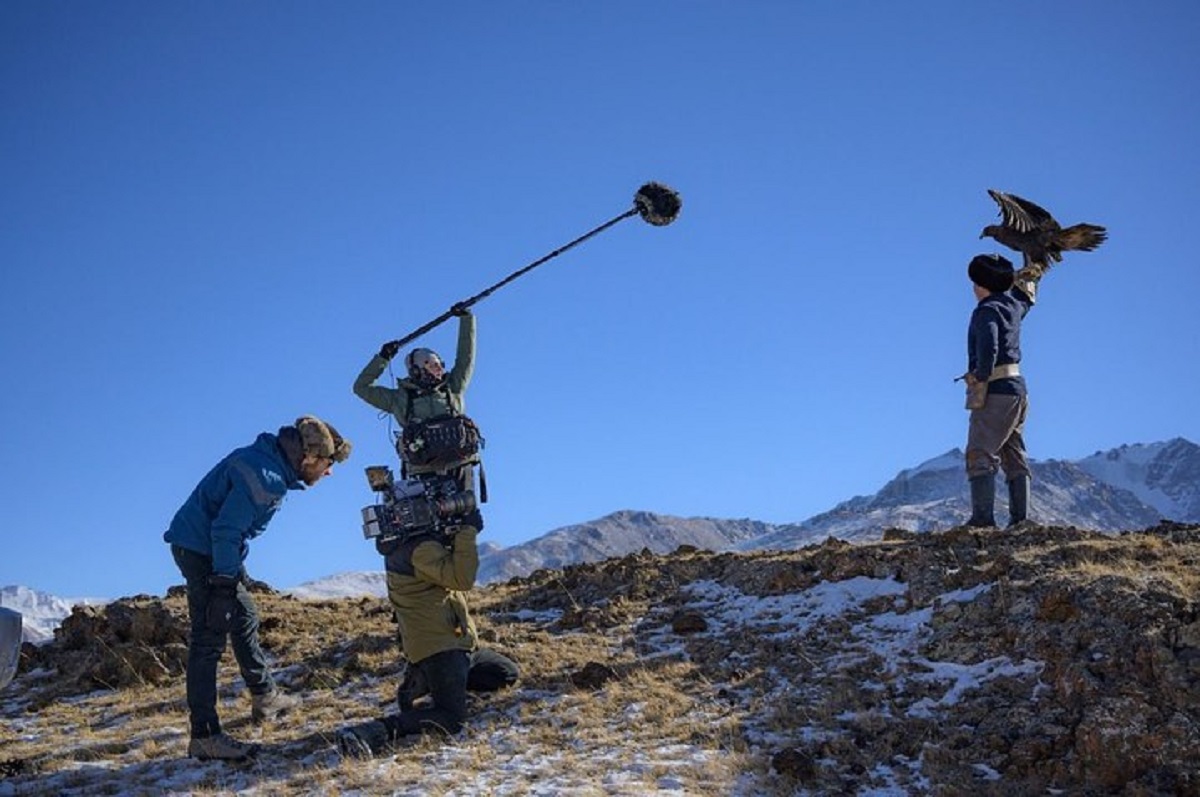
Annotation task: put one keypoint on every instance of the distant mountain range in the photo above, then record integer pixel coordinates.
(41, 612)
(1130, 487)
(616, 535)
(343, 585)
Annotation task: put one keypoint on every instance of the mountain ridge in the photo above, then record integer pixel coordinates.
(1132, 486)
(931, 495)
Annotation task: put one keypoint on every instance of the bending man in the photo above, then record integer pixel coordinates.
(210, 539)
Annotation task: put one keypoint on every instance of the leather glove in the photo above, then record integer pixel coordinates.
(388, 350)
(976, 392)
(460, 309)
(222, 603)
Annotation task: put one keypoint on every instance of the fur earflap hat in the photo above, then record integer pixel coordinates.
(993, 272)
(321, 439)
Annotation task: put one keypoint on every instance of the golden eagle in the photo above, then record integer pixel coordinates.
(1034, 233)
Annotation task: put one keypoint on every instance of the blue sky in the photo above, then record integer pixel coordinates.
(213, 214)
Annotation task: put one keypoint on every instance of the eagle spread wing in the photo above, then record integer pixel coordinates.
(1021, 214)
(1031, 230)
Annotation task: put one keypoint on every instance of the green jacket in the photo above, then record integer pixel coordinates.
(449, 399)
(431, 605)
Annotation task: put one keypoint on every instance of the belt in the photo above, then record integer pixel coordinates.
(1004, 372)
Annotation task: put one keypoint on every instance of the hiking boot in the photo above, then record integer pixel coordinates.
(1018, 501)
(220, 747)
(983, 500)
(363, 740)
(270, 705)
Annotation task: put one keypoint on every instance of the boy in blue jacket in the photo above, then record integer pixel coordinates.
(209, 538)
(996, 394)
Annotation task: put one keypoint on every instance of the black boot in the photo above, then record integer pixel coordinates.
(1018, 500)
(983, 501)
(366, 738)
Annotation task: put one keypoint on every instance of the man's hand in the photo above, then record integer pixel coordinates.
(388, 350)
(222, 603)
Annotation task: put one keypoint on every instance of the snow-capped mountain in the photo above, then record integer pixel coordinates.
(615, 534)
(935, 495)
(342, 585)
(1165, 476)
(1130, 487)
(41, 612)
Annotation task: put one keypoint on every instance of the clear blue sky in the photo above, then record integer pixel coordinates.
(212, 214)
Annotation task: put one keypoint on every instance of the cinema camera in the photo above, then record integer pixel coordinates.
(412, 506)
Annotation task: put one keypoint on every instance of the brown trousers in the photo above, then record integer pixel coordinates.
(995, 437)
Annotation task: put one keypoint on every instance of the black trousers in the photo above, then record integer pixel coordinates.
(205, 646)
(446, 677)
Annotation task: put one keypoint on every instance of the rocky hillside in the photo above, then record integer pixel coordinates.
(1052, 660)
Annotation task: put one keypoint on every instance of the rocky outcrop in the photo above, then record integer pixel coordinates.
(1051, 658)
(133, 641)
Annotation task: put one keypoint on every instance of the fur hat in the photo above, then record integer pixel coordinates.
(321, 439)
(993, 272)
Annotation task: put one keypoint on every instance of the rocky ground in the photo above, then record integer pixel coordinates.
(1040, 661)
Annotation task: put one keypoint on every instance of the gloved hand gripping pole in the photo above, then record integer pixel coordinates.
(654, 202)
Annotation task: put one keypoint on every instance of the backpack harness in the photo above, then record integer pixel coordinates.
(442, 443)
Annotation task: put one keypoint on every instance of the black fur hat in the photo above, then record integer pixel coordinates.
(993, 272)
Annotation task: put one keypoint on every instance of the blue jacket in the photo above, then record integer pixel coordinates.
(994, 338)
(233, 503)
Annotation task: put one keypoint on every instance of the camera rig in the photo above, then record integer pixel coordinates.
(413, 506)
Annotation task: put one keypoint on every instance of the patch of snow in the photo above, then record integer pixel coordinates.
(965, 677)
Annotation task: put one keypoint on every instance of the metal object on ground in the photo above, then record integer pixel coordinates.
(10, 644)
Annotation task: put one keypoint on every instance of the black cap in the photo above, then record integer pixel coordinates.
(993, 272)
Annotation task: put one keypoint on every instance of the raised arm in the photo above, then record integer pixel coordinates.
(464, 355)
(383, 398)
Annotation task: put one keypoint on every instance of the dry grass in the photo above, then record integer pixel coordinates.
(697, 712)
(1138, 561)
(649, 724)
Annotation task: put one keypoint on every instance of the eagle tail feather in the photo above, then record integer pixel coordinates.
(1082, 237)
